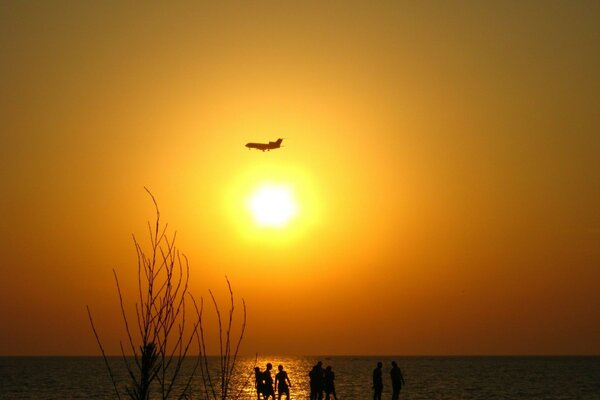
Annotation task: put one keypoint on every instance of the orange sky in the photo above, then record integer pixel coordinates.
(445, 159)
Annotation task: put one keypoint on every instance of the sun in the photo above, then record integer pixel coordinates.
(273, 205)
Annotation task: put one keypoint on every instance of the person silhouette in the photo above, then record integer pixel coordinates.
(313, 382)
(316, 381)
(377, 382)
(258, 382)
(282, 381)
(268, 390)
(328, 385)
(320, 373)
(397, 380)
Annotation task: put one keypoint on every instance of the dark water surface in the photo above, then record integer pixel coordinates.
(449, 378)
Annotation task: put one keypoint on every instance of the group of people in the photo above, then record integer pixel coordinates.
(321, 382)
(397, 381)
(263, 382)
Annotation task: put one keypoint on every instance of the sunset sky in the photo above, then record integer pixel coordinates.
(443, 158)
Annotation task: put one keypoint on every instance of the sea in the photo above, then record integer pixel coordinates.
(451, 378)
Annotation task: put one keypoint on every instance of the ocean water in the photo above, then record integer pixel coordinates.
(449, 378)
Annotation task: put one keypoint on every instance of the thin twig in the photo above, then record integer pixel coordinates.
(112, 377)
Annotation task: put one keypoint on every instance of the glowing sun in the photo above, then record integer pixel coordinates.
(273, 205)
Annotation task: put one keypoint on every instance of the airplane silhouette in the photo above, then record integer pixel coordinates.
(265, 146)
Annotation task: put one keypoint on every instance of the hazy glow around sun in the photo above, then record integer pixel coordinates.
(273, 205)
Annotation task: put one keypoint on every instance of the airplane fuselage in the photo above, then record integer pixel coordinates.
(265, 146)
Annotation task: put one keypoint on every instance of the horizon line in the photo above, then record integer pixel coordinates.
(323, 355)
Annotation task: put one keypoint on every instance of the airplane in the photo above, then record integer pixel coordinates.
(265, 146)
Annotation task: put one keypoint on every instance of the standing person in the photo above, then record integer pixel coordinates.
(377, 382)
(316, 381)
(258, 382)
(282, 381)
(328, 384)
(268, 383)
(397, 380)
(320, 376)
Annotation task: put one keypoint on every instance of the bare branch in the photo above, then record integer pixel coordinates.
(112, 376)
(127, 330)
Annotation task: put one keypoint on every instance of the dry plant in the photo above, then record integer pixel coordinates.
(160, 337)
(220, 388)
